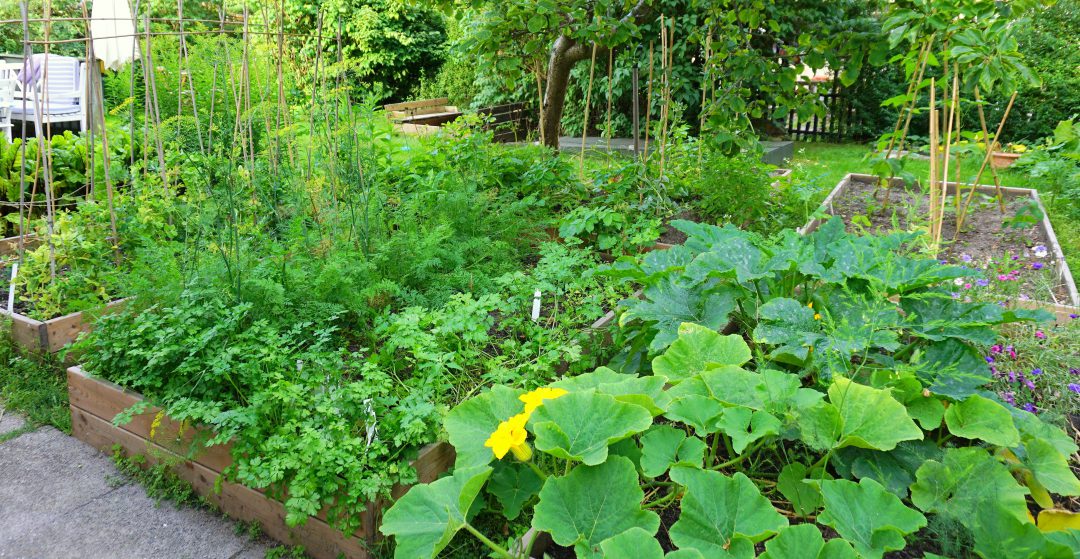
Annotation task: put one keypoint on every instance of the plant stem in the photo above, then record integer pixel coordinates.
(484, 540)
(537, 469)
(738, 459)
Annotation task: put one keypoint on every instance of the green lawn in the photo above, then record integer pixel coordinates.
(826, 164)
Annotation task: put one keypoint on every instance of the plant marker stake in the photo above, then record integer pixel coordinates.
(536, 306)
(11, 289)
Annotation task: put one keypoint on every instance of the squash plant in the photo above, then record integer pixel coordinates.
(751, 458)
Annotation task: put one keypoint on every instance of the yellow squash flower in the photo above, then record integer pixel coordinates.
(510, 437)
(536, 398)
(817, 316)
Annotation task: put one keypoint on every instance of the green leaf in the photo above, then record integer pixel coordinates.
(722, 516)
(647, 392)
(965, 480)
(473, 421)
(513, 485)
(805, 498)
(663, 446)
(1050, 467)
(820, 426)
(745, 426)
(671, 302)
(894, 469)
(697, 348)
(953, 369)
(536, 24)
(735, 386)
(804, 541)
(699, 412)
(790, 326)
(1000, 535)
(634, 542)
(868, 516)
(581, 425)
(983, 419)
(870, 417)
(592, 504)
(426, 518)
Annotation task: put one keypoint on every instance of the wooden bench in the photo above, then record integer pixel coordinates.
(421, 117)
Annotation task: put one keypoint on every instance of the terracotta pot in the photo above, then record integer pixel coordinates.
(1002, 159)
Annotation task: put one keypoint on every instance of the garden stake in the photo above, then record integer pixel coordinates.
(585, 122)
(986, 139)
(986, 160)
(610, 63)
(648, 100)
(933, 164)
(953, 99)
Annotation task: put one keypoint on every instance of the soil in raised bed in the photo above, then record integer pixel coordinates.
(983, 236)
(673, 236)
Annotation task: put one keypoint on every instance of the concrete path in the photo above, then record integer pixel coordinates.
(61, 498)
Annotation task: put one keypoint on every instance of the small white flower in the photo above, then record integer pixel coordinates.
(958, 281)
(1040, 251)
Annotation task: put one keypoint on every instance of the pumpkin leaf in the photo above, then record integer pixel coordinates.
(805, 498)
(592, 504)
(581, 425)
(634, 542)
(965, 480)
(804, 541)
(698, 348)
(1050, 467)
(471, 423)
(983, 419)
(868, 516)
(663, 446)
(722, 516)
(426, 518)
(513, 485)
(870, 417)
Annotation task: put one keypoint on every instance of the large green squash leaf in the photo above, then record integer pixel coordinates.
(789, 326)
(804, 497)
(634, 542)
(745, 426)
(700, 412)
(804, 541)
(870, 417)
(983, 419)
(581, 425)
(953, 369)
(663, 446)
(735, 386)
(697, 348)
(471, 423)
(671, 301)
(1000, 535)
(894, 469)
(426, 518)
(868, 516)
(1050, 467)
(965, 480)
(513, 484)
(722, 516)
(647, 392)
(592, 504)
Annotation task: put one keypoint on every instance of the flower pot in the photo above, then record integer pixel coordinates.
(1002, 159)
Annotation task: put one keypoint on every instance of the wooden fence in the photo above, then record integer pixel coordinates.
(510, 122)
(837, 121)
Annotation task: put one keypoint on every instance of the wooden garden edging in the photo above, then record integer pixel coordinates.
(94, 404)
(1061, 267)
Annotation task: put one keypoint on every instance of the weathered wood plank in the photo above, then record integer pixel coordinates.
(439, 101)
(63, 330)
(319, 539)
(26, 332)
(105, 400)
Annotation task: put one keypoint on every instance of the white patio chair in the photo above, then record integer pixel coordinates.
(7, 97)
(62, 99)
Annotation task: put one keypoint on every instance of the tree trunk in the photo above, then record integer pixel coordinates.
(565, 53)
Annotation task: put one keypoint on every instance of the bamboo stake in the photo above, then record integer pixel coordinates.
(667, 92)
(131, 83)
(45, 148)
(153, 106)
(948, 145)
(648, 101)
(314, 92)
(97, 90)
(704, 89)
(912, 94)
(610, 65)
(186, 65)
(540, 100)
(933, 164)
(989, 147)
(585, 123)
(24, 9)
(986, 160)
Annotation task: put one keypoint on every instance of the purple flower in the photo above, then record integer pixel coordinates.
(1074, 316)
(989, 359)
(1036, 371)
(1074, 371)
(967, 286)
(1016, 257)
(1074, 387)
(996, 348)
(982, 282)
(1009, 397)
(1024, 297)
(1003, 277)
(1040, 251)
(1030, 408)
(1029, 384)
(1012, 376)
(1036, 265)
(1040, 335)
(944, 261)
(965, 257)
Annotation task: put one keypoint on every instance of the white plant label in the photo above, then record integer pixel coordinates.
(536, 306)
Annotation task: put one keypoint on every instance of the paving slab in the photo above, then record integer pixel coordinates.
(60, 498)
(10, 421)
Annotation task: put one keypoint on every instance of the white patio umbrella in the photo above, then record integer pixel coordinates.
(113, 30)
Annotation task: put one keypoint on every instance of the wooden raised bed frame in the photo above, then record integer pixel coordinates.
(94, 403)
(1061, 267)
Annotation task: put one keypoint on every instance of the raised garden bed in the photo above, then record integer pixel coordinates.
(979, 240)
(52, 335)
(94, 404)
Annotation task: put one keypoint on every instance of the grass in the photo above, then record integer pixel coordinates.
(33, 386)
(827, 164)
